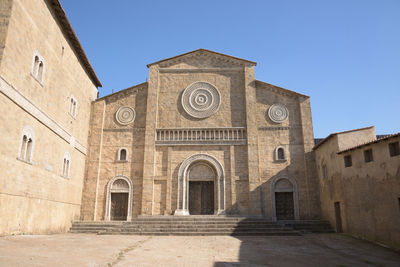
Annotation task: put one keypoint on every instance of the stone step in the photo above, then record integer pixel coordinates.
(275, 233)
(182, 230)
(176, 224)
(177, 221)
(208, 225)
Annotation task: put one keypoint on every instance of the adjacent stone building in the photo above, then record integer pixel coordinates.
(359, 178)
(201, 136)
(46, 89)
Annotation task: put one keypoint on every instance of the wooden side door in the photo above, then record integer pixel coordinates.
(119, 206)
(284, 205)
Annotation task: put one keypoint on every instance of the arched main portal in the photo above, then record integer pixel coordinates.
(201, 186)
(285, 204)
(119, 199)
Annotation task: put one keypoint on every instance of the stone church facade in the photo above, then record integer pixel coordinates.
(201, 136)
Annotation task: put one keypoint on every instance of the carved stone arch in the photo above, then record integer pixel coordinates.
(183, 183)
(110, 190)
(285, 183)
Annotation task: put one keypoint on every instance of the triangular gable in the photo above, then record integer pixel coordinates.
(204, 53)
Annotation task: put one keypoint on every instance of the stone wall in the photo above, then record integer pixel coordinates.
(295, 135)
(34, 196)
(368, 193)
(106, 137)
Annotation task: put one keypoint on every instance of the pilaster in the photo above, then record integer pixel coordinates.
(149, 142)
(252, 141)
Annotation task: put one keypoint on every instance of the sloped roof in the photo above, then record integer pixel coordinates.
(370, 142)
(290, 92)
(333, 134)
(203, 50)
(120, 91)
(73, 39)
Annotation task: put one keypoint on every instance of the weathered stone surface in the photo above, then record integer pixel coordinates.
(367, 192)
(245, 156)
(35, 197)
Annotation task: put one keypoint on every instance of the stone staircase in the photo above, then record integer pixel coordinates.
(189, 226)
(309, 226)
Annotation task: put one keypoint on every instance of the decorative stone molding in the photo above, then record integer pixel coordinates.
(125, 115)
(278, 113)
(119, 184)
(183, 183)
(201, 136)
(284, 183)
(201, 100)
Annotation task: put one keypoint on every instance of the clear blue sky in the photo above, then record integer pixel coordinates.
(344, 54)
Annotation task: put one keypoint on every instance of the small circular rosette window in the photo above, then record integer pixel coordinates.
(278, 113)
(125, 115)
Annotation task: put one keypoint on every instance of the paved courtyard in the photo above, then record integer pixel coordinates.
(114, 250)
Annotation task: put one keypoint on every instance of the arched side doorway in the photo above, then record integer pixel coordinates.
(285, 199)
(119, 199)
(201, 175)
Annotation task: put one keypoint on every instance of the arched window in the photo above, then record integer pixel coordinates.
(38, 67)
(280, 154)
(123, 154)
(25, 151)
(66, 165)
(73, 106)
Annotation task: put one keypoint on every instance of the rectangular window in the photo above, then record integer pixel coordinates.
(347, 161)
(368, 155)
(394, 149)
